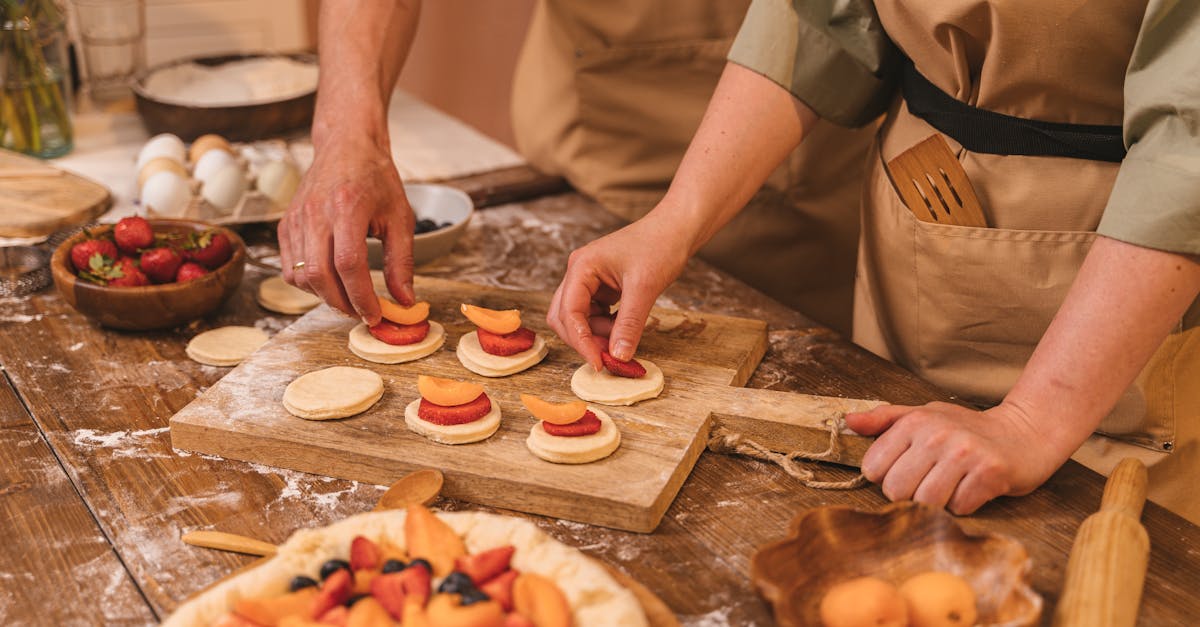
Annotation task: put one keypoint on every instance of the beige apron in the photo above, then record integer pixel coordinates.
(609, 94)
(965, 307)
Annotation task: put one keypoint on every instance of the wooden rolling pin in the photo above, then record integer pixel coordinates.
(1107, 567)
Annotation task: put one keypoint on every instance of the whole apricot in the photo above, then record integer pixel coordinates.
(937, 599)
(863, 602)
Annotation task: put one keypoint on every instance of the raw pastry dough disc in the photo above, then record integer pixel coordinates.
(575, 450)
(609, 389)
(274, 294)
(475, 359)
(335, 392)
(226, 346)
(363, 344)
(481, 429)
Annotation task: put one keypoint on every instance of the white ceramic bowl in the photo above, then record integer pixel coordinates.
(439, 203)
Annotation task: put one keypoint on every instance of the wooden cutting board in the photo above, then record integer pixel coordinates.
(43, 199)
(702, 356)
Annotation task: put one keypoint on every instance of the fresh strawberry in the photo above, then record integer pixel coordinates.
(334, 592)
(457, 414)
(189, 271)
(482, 567)
(629, 369)
(516, 620)
(82, 253)
(133, 234)
(587, 425)
(338, 616)
(161, 264)
(518, 341)
(210, 249)
(364, 554)
(500, 588)
(389, 332)
(127, 274)
(416, 582)
(389, 591)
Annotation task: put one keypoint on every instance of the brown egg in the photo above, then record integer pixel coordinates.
(159, 164)
(938, 599)
(205, 143)
(864, 602)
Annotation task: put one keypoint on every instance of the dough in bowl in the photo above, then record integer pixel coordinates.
(226, 346)
(337, 392)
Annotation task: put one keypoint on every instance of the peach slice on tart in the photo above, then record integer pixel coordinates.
(447, 392)
(540, 600)
(400, 314)
(428, 537)
(491, 320)
(554, 413)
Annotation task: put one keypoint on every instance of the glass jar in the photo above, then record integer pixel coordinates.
(35, 87)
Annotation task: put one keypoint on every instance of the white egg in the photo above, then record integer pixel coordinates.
(224, 188)
(210, 163)
(278, 181)
(166, 193)
(164, 145)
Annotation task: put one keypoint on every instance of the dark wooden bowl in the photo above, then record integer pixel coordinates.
(829, 545)
(152, 306)
(235, 123)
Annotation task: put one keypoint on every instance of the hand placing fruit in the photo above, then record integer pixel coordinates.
(132, 254)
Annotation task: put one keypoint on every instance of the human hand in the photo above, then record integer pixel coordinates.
(351, 191)
(951, 456)
(633, 266)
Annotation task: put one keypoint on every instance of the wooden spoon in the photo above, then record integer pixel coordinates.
(229, 542)
(416, 488)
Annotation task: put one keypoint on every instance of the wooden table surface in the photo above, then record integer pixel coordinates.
(93, 499)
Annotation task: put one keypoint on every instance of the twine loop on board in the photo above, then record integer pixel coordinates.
(723, 440)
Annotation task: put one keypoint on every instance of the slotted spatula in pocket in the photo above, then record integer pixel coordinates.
(934, 186)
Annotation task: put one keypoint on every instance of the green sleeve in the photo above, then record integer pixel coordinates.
(831, 54)
(1155, 201)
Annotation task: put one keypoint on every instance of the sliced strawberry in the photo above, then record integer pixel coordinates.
(334, 592)
(389, 591)
(500, 588)
(338, 616)
(416, 582)
(518, 341)
(400, 334)
(482, 567)
(133, 234)
(629, 369)
(587, 425)
(364, 554)
(82, 253)
(456, 415)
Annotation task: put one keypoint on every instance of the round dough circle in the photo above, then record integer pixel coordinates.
(475, 431)
(365, 345)
(475, 359)
(609, 389)
(336, 392)
(274, 294)
(575, 450)
(226, 346)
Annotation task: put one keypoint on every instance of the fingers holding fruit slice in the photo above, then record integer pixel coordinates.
(403, 334)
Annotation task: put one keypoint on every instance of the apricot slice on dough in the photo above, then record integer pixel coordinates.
(864, 601)
(539, 599)
(498, 322)
(447, 392)
(937, 599)
(554, 413)
(403, 315)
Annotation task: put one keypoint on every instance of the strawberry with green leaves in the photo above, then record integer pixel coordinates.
(210, 249)
(83, 252)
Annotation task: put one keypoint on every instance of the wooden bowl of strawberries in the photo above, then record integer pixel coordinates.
(144, 274)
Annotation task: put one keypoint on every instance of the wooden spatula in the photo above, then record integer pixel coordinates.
(934, 186)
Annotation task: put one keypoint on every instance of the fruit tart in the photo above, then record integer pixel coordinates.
(452, 412)
(404, 334)
(499, 346)
(419, 569)
(570, 433)
(619, 382)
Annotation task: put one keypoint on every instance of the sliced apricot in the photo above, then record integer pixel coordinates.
(445, 610)
(554, 413)
(491, 320)
(429, 537)
(414, 614)
(367, 612)
(286, 621)
(863, 601)
(938, 599)
(271, 610)
(447, 392)
(403, 315)
(539, 599)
